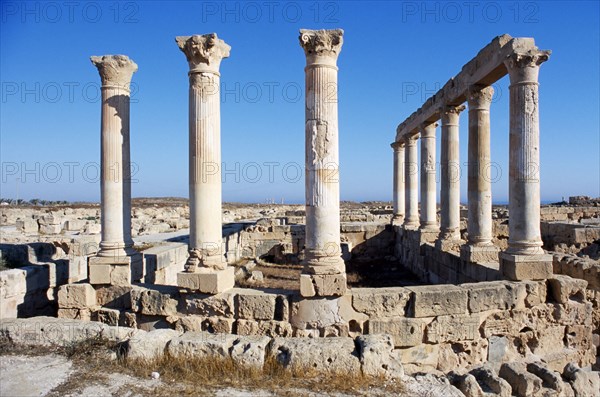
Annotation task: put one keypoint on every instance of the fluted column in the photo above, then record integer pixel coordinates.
(324, 271)
(479, 247)
(524, 258)
(428, 187)
(206, 268)
(450, 177)
(117, 262)
(398, 193)
(411, 189)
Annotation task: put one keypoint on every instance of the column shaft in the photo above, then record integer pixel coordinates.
(428, 175)
(411, 173)
(398, 193)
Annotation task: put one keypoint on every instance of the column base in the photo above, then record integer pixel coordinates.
(123, 270)
(526, 267)
(447, 243)
(397, 220)
(207, 280)
(322, 285)
(429, 234)
(479, 253)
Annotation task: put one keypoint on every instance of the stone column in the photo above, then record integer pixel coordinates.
(324, 271)
(429, 222)
(117, 263)
(398, 194)
(411, 172)
(206, 269)
(450, 178)
(479, 247)
(524, 258)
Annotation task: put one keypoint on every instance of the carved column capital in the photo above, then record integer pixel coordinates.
(449, 113)
(523, 67)
(397, 146)
(321, 46)
(410, 140)
(428, 130)
(203, 52)
(115, 70)
(480, 97)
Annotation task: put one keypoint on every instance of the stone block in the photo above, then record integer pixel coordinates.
(115, 271)
(584, 383)
(453, 328)
(378, 358)
(526, 267)
(524, 384)
(107, 316)
(218, 325)
(150, 345)
(329, 355)
(210, 305)
(156, 300)
(405, 331)
(322, 284)
(114, 296)
(437, 300)
(27, 225)
(479, 254)
(495, 295)
(421, 358)
(381, 302)
(256, 306)
(76, 296)
(564, 288)
(270, 328)
(207, 281)
(250, 351)
(75, 314)
(189, 324)
(201, 344)
(318, 313)
(13, 282)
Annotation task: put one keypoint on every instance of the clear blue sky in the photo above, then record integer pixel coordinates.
(395, 55)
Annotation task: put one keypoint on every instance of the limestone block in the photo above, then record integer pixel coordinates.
(75, 225)
(189, 323)
(468, 385)
(74, 314)
(584, 383)
(114, 296)
(318, 313)
(492, 382)
(495, 295)
(150, 345)
(573, 313)
(549, 378)
(564, 288)
(405, 331)
(256, 306)
(210, 305)
(201, 344)
(270, 328)
(250, 350)
(381, 302)
(438, 300)
(107, 316)
(208, 281)
(76, 296)
(333, 355)
(537, 292)
(158, 300)
(526, 267)
(13, 282)
(218, 325)
(377, 356)
(421, 358)
(27, 225)
(322, 284)
(524, 384)
(453, 328)
(50, 229)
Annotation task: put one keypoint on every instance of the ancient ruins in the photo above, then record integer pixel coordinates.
(496, 301)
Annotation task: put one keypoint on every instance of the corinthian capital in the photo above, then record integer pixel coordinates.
(523, 67)
(321, 46)
(203, 52)
(115, 70)
(480, 96)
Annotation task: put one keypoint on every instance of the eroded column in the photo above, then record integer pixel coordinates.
(398, 193)
(524, 258)
(479, 247)
(117, 263)
(450, 178)
(429, 224)
(324, 271)
(411, 189)
(206, 269)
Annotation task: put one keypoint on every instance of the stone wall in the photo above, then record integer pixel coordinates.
(434, 328)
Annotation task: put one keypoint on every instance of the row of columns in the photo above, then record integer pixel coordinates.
(524, 258)
(206, 268)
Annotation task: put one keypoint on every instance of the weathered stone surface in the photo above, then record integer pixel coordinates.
(438, 300)
(526, 267)
(377, 356)
(256, 306)
(150, 345)
(381, 302)
(270, 328)
(114, 296)
(76, 296)
(549, 378)
(322, 284)
(492, 382)
(210, 305)
(453, 328)
(564, 288)
(322, 312)
(218, 325)
(208, 281)
(250, 350)
(584, 383)
(189, 323)
(107, 316)
(75, 314)
(420, 358)
(524, 384)
(201, 344)
(495, 295)
(334, 355)
(161, 301)
(405, 331)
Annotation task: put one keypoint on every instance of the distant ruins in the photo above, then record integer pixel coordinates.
(492, 310)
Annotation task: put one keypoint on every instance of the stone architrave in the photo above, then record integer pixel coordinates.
(116, 263)
(324, 272)
(206, 269)
(524, 258)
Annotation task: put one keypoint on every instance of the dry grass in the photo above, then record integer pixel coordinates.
(94, 361)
